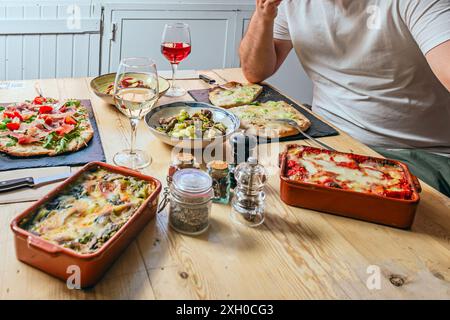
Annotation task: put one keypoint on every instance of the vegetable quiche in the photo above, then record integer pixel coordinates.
(347, 172)
(44, 127)
(233, 94)
(256, 119)
(90, 211)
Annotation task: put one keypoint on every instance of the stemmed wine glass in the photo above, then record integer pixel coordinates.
(136, 91)
(176, 46)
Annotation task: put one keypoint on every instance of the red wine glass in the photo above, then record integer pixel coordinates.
(176, 46)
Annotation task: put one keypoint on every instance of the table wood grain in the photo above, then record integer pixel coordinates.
(296, 254)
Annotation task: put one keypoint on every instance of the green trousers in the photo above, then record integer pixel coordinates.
(429, 167)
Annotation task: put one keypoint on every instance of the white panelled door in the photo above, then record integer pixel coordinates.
(138, 33)
(49, 40)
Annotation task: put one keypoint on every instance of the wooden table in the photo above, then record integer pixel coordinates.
(296, 254)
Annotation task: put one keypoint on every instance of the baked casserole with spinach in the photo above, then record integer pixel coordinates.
(90, 211)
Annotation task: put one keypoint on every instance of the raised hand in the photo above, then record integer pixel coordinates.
(261, 55)
(267, 9)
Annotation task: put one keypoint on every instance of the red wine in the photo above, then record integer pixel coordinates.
(175, 52)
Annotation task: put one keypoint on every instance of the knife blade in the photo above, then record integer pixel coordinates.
(31, 182)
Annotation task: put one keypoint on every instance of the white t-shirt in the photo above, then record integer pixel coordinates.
(366, 59)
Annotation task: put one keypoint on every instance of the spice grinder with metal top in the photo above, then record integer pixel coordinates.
(249, 197)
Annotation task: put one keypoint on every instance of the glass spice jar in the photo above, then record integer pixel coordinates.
(218, 171)
(182, 161)
(191, 196)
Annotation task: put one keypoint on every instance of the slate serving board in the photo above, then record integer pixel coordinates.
(318, 128)
(93, 152)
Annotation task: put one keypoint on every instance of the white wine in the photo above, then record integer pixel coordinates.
(135, 94)
(135, 102)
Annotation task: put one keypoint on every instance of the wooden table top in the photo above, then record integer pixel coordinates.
(296, 254)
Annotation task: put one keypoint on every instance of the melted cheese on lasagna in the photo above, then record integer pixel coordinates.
(348, 172)
(91, 211)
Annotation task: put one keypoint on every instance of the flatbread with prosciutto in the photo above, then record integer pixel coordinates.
(44, 127)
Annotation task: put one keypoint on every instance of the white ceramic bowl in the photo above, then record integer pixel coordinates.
(101, 83)
(229, 119)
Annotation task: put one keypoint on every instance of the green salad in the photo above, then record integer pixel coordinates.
(197, 125)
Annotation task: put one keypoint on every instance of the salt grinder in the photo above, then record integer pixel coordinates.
(249, 197)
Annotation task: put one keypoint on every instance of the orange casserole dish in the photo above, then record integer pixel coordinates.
(372, 189)
(85, 223)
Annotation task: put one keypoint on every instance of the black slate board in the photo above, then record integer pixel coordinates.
(318, 129)
(93, 152)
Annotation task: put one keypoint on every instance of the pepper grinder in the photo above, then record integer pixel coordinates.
(249, 197)
(242, 146)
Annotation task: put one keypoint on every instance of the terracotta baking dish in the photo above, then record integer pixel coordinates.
(368, 207)
(56, 260)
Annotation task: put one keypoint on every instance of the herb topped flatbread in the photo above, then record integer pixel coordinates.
(233, 94)
(44, 127)
(256, 119)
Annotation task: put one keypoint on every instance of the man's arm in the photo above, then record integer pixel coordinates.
(439, 61)
(429, 24)
(261, 54)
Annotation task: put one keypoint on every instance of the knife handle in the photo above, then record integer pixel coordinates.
(16, 184)
(207, 79)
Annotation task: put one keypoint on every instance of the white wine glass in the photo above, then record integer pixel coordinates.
(175, 47)
(136, 91)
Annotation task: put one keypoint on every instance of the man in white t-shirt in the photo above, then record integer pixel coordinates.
(380, 68)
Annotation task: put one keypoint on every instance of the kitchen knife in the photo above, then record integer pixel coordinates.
(31, 182)
(207, 79)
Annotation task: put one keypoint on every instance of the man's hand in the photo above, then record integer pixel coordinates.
(267, 10)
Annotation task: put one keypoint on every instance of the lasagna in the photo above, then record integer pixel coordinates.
(89, 212)
(348, 172)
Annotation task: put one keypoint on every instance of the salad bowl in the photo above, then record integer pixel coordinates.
(219, 115)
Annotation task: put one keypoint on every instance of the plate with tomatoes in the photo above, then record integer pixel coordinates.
(46, 127)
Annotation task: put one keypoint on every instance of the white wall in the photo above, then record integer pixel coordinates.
(35, 42)
(292, 79)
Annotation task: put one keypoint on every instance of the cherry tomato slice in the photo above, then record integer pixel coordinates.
(12, 115)
(45, 109)
(13, 126)
(23, 140)
(39, 100)
(48, 121)
(9, 115)
(18, 115)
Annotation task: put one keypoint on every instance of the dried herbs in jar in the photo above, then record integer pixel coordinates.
(191, 196)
